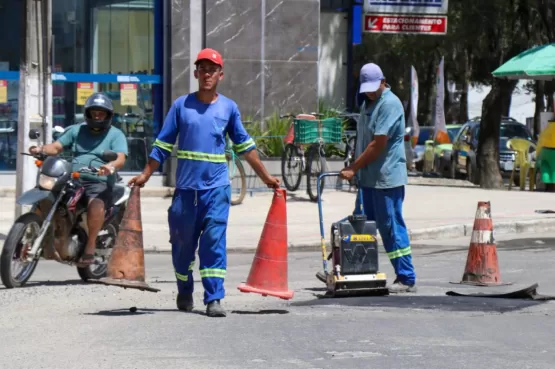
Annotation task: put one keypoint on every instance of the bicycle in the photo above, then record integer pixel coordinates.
(302, 132)
(233, 163)
(349, 138)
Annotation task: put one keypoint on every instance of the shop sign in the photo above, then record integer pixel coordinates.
(128, 92)
(406, 6)
(408, 24)
(84, 90)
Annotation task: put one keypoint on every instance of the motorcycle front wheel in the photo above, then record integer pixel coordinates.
(18, 243)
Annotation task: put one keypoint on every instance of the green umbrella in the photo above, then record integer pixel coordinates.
(535, 63)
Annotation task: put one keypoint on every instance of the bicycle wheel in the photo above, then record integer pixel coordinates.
(235, 167)
(291, 167)
(350, 150)
(317, 165)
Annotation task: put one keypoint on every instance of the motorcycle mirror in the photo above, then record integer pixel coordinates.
(34, 134)
(109, 155)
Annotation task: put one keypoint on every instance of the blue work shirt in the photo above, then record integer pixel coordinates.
(384, 116)
(202, 130)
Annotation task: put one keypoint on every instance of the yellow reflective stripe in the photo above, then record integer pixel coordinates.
(191, 265)
(195, 155)
(163, 145)
(181, 277)
(214, 273)
(244, 146)
(398, 253)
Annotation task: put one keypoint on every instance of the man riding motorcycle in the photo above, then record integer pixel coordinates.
(87, 141)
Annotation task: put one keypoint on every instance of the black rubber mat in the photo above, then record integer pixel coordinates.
(528, 293)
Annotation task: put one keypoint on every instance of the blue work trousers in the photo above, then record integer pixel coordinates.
(199, 219)
(385, 207)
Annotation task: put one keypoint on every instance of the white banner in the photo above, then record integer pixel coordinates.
(406, 6)
(414, 105)
(440, 131)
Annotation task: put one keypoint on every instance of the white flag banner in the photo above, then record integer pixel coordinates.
(414, 105)
(440, 131)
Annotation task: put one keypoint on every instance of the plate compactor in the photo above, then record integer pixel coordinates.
(353, 256)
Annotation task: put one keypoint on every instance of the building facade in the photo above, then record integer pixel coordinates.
(281, 56)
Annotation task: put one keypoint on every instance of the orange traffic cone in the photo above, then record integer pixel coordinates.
(482, 267)
(268, 274)
(127, 264)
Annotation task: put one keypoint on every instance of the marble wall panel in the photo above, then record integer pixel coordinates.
(292, 30)
(290, 87)
(233, 27)
(180, 40)
(242, 81)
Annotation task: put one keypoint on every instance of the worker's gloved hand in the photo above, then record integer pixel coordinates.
(139, 180)
(272, 182)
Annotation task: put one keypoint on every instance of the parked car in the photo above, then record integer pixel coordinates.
(442, 153)
(464, 152)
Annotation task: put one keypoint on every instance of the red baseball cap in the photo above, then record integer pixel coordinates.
(212, 55)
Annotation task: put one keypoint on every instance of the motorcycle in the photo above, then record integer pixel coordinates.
(56, 226)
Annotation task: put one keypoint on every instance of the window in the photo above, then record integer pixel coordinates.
(426, 133)
(10, 20)
(99, 42)
(511, 130)
(463, 132)
(96, 41)
(452, 132)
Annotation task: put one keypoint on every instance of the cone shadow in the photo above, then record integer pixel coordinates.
(260, 312)
(142, 311)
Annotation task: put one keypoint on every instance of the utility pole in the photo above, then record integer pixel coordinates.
(47, 64)
(35, 90)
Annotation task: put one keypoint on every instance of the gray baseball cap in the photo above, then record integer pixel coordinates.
(371, 77)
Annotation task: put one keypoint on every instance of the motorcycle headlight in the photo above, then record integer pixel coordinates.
(47, 182)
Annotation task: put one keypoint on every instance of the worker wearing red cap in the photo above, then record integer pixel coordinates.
(199, 211)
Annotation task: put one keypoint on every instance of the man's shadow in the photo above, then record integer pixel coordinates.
(143, 311)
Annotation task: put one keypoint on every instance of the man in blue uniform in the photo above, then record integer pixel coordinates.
(201, 201)
(381, 169)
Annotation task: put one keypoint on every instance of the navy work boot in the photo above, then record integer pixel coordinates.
(214, 309)
(185, 302)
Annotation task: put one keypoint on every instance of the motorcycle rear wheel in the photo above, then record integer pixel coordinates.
(14, 249)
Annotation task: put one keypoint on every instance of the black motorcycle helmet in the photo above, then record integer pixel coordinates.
(99, 101)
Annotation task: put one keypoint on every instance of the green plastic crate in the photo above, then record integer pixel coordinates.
(309, 131)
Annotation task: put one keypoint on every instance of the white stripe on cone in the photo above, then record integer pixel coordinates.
(481, 237)
(482, 213)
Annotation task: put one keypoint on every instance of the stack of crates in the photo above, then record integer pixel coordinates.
(310, 131)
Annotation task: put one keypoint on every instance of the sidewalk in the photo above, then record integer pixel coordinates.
(431, 212)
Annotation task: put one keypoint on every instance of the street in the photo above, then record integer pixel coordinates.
(59, 322)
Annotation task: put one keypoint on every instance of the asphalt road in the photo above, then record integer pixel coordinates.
(58, 322)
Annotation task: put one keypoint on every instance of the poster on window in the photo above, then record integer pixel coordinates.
(128, 93)
(3, 91)
(84, 90)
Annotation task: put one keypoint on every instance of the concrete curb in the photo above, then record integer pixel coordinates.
(435, 233)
